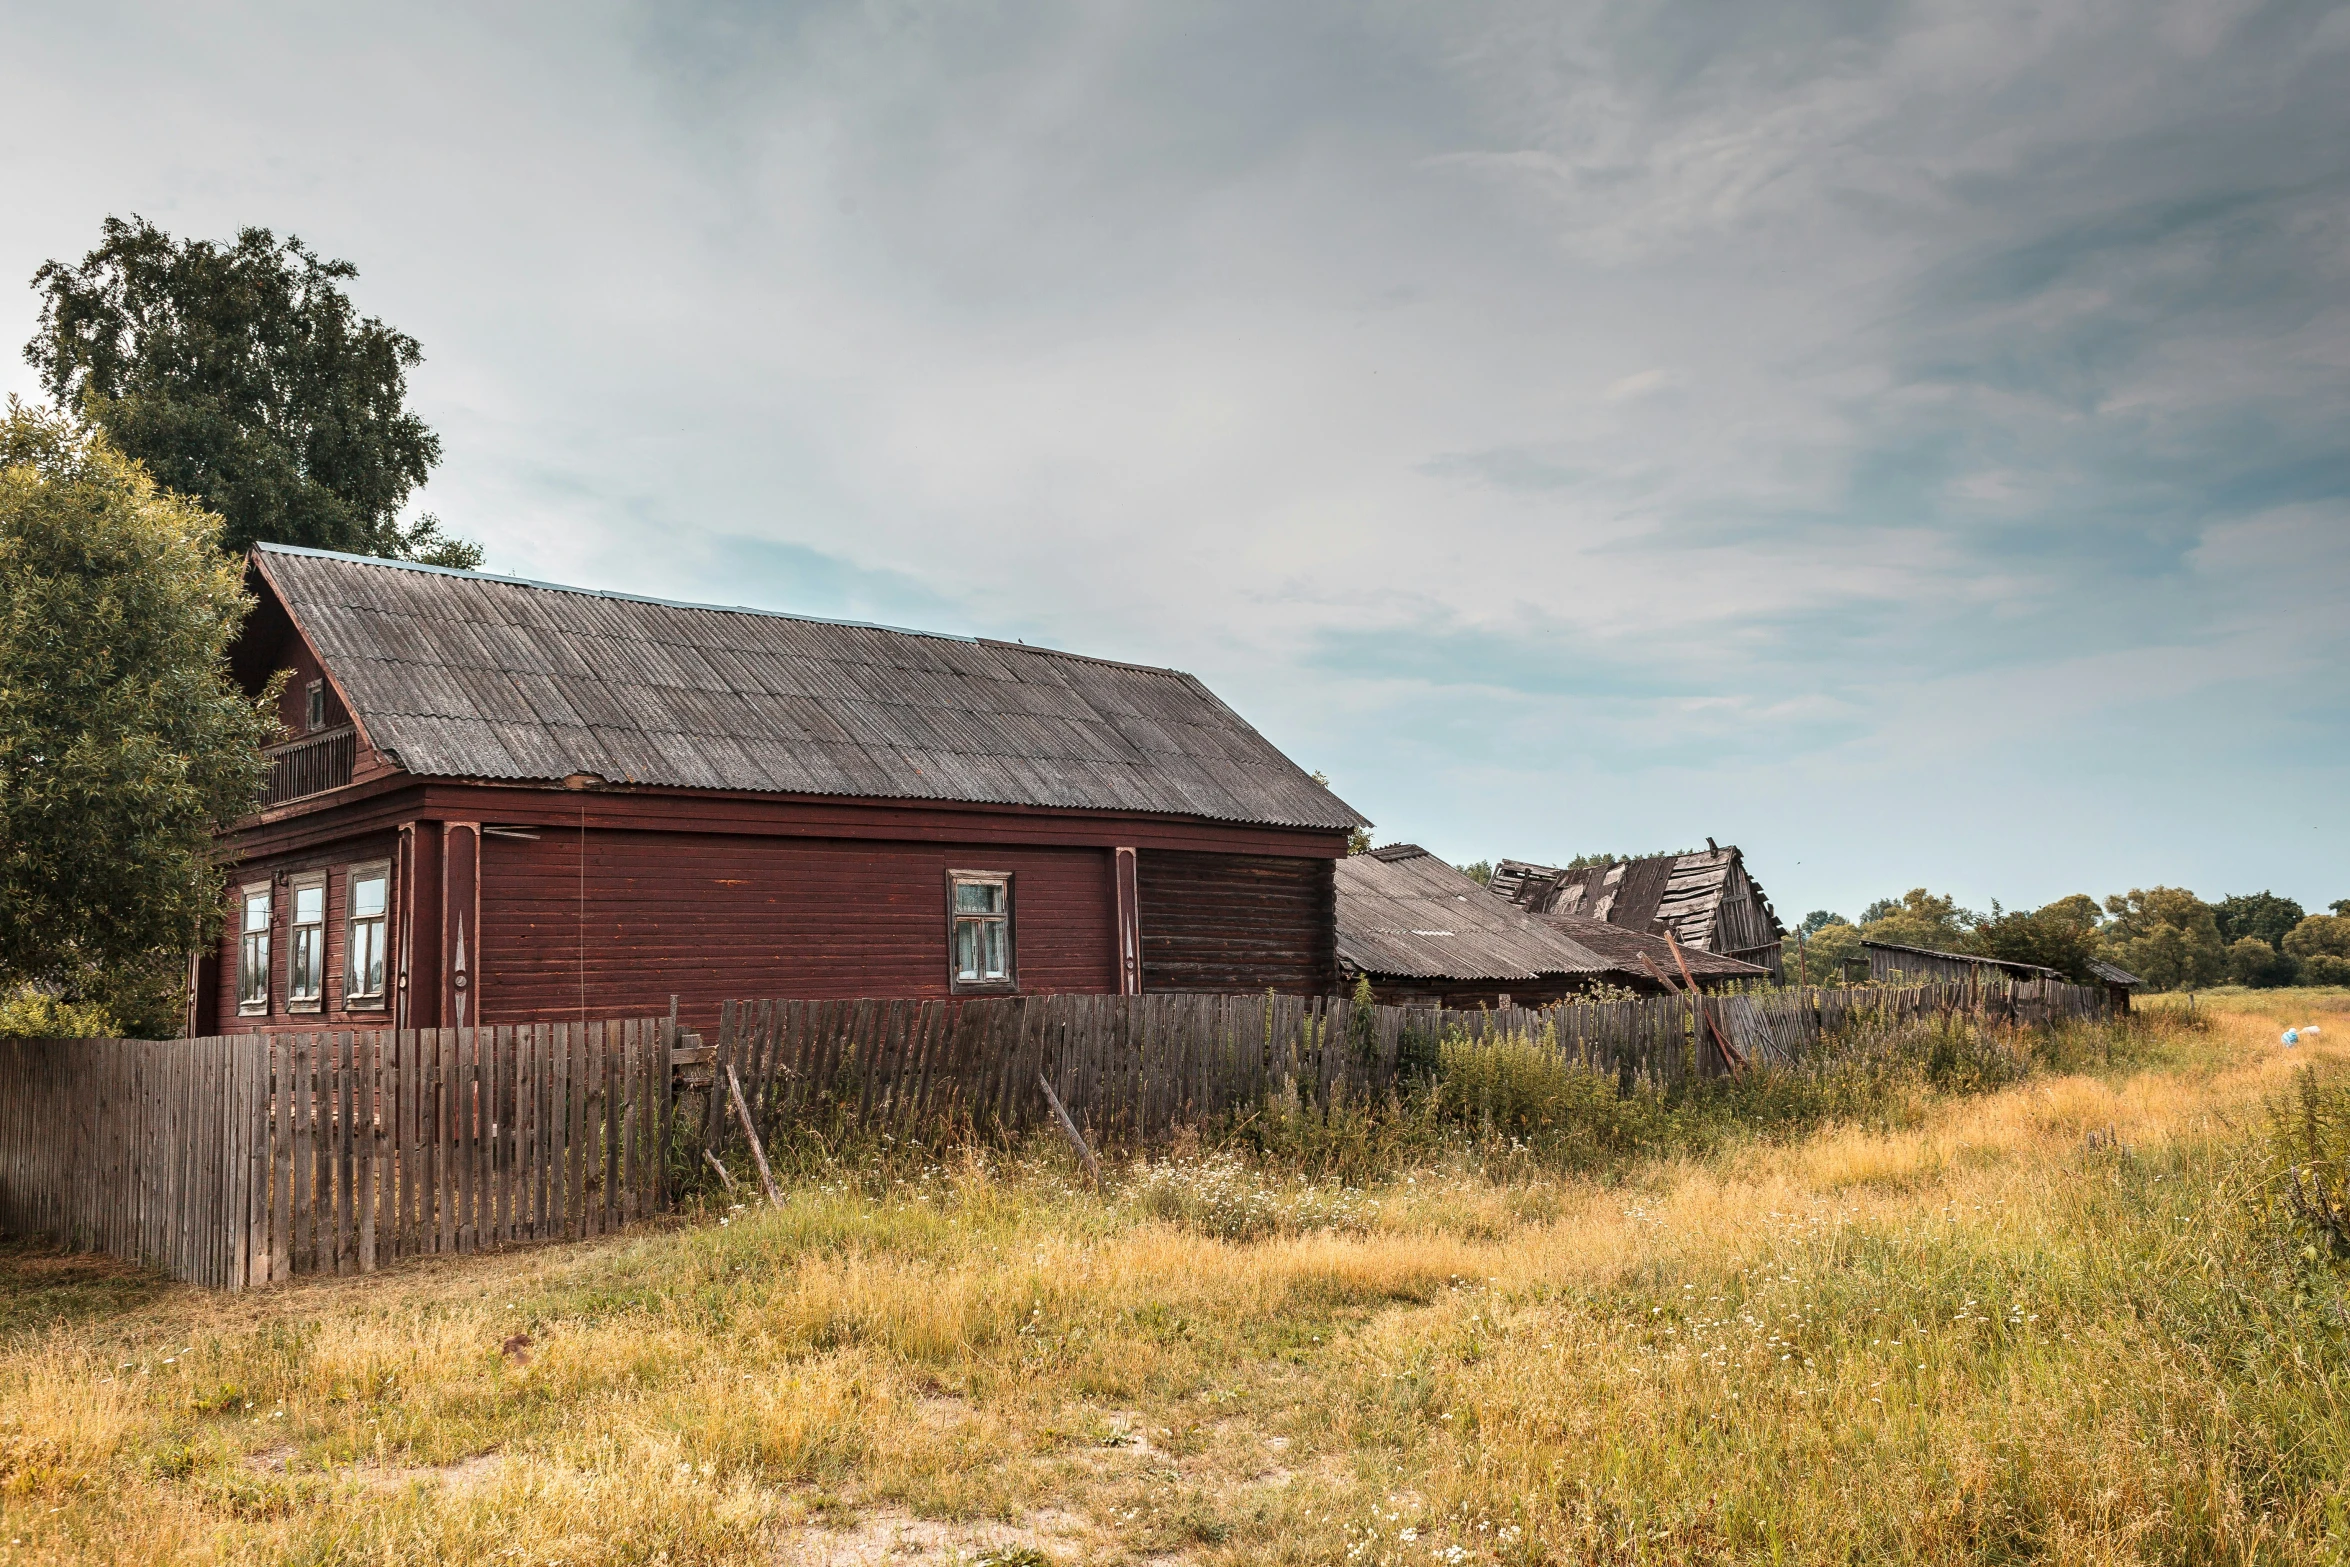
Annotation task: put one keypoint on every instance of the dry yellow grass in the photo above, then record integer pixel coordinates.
(2032, 1325)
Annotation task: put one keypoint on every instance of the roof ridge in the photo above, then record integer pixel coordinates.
(1054, 652)
(499, 579)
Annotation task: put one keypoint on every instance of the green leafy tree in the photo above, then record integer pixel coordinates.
(2261, 915)
(1817, 919)
(241, 375)
(2340, 905)
(2078, 910)
(1919, 919)
(1479, 871)
(1823, 954)
(2253, 962)
(2321, 944)
(2167, 936)
(2055, 936)
(123, 745)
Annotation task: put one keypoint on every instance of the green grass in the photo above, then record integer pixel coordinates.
(1944, 1299)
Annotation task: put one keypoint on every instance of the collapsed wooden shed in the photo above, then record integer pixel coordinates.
(1421, 930)
(1709, 900)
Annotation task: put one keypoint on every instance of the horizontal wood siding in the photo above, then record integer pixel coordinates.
(1237, 922)
(706, 915)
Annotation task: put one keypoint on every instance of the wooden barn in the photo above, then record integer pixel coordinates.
(1890, 960)
(509, 802)
(1709, 901)
(1420, 930)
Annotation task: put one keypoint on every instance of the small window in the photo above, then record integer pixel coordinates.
(306, 945)
(314, 715)
(980, 917)
(370, 899)
(253, 950)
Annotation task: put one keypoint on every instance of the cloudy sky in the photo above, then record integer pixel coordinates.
(1911, 441)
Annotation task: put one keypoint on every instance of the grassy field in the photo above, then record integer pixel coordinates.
(2052, 1320)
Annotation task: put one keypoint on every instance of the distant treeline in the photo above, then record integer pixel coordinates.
(2166, 936)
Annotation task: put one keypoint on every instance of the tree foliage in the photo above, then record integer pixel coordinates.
(2055, 936)
(1819, 918)
(241, 375)
(2262, 916)
(2253, 962)
(1919, 919)
(2320, 936)
(123, 746)
(1821, 957)
(2167, 936)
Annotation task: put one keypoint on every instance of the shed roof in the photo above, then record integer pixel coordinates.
(1623, 949)
(463, 674)
(2006, 965)
(1404, 912)
(1683, 892)
(2113, 973)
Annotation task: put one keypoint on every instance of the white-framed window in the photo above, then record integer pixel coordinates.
(979, 930)
(253, 948)
(314, 707)
(370, 900)
(306, 945)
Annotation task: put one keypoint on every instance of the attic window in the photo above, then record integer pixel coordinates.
(314, 708)
(979, 930)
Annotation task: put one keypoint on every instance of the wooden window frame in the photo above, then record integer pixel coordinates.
(354, 999)
(295, 926)
(314, 707)
(253, 947)
(1010, 983)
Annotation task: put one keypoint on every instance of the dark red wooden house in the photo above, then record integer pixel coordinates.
(512, 802)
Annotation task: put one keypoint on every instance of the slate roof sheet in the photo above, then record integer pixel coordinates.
(1403, 912)
(463, 674)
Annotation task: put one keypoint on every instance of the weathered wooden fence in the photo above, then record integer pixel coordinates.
(254, 1158)
(1134, 1068)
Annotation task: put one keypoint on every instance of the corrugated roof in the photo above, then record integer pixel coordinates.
(1623, 949)
(2113, 973)
(1405, 913)
(1976, 959)
(465, 675)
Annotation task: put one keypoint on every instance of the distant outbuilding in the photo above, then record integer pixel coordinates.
(1708, 901)
(1420, 930)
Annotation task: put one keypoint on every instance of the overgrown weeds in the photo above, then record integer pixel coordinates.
(1892, 1312)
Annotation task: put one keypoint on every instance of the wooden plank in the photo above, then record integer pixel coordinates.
(632, 1157)
(306, 1161)
(534, 1076)
(609, 1062)
(366, 1145)
(576, 1136)
(563, 1184)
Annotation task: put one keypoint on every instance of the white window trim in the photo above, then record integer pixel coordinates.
(318, 879)
(1010, 983)
(379, 1000)
(245, 895)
